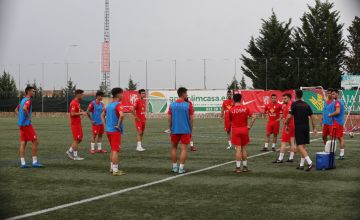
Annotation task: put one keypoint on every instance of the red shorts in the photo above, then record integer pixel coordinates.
(326, 131)
(77, 132)
(140, 125)
(182, 138)
(114, 140)
(286, 136)
(97, 129)
(272, 127)
(339, 132)
(227, 125)
(27, 133)
(240, 136)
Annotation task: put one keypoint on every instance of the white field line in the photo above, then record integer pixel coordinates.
(43, 211)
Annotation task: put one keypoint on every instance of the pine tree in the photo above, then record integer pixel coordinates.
(131, 85)
(319, 42)
(69, 89)
(242, 83)
(268, 65)
(7, 83)
(353, 60)
(234, 85)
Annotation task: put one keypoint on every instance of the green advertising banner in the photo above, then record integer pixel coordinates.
(316, 100)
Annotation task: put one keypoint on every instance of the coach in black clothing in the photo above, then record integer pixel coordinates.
(301, 112)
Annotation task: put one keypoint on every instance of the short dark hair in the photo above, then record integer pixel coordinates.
(181, 91)
(141, 90)
(330, 90)
(100, 93)
(28, 88)
(229, 91)
(237, 97)
(336, 91)
(287, 95)
(273, 95)
(115, 91)
(298, 93)
(79, 91)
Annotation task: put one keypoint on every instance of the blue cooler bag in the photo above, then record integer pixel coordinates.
(325, 161)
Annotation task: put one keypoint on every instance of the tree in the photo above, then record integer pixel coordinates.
(69, 89)
(131, 85)
(234, 84)
(269, 63)
(353, 60)
(319, 42)
(7, 83)
(242, 83)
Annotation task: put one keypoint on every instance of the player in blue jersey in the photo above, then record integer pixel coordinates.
(112, 117)
(327, 122)
(180, 119)
(339, 120)
(27, 132)
(94, 112)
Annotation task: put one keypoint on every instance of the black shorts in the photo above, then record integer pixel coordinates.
(302, 134)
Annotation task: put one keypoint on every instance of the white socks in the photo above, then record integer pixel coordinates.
(22, 161)
(139, 144)
(115, 168)
(174, 165)
(245, 163)
(308, 160)
(34, 158)
(75, 154)
(291, 157)
(342, 152)
(281, 156)
(191, 144)
(181, 167)
(266, 145)
(302, 162)
(273, 145)
(111, 165)
(70, 149)
(229, 142)
(92, 146)
(99, 146)
(238, 163)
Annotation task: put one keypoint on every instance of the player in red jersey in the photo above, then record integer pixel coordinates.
(288, 134)
(226, 106)
(273, 110)
(139, 112)
(75, 123)
(94, 112)
(238, 116)
(27, 132)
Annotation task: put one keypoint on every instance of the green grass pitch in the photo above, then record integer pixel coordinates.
(269, 191)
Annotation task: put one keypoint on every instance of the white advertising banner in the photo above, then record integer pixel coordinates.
(204, 101)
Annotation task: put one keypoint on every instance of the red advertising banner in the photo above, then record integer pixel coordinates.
(257, 99)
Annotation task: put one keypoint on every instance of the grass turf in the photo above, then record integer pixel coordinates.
(269, 191)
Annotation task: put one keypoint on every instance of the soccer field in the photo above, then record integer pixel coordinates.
(269, 191)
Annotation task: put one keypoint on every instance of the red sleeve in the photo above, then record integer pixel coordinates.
(74, 107)
(27, 104)
(248, 112)
(191, 109)
(223, 105)
(91, 107)
(136, 104)
(169, 112)
(337, 104)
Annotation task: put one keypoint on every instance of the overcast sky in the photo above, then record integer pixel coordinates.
(39, 31)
